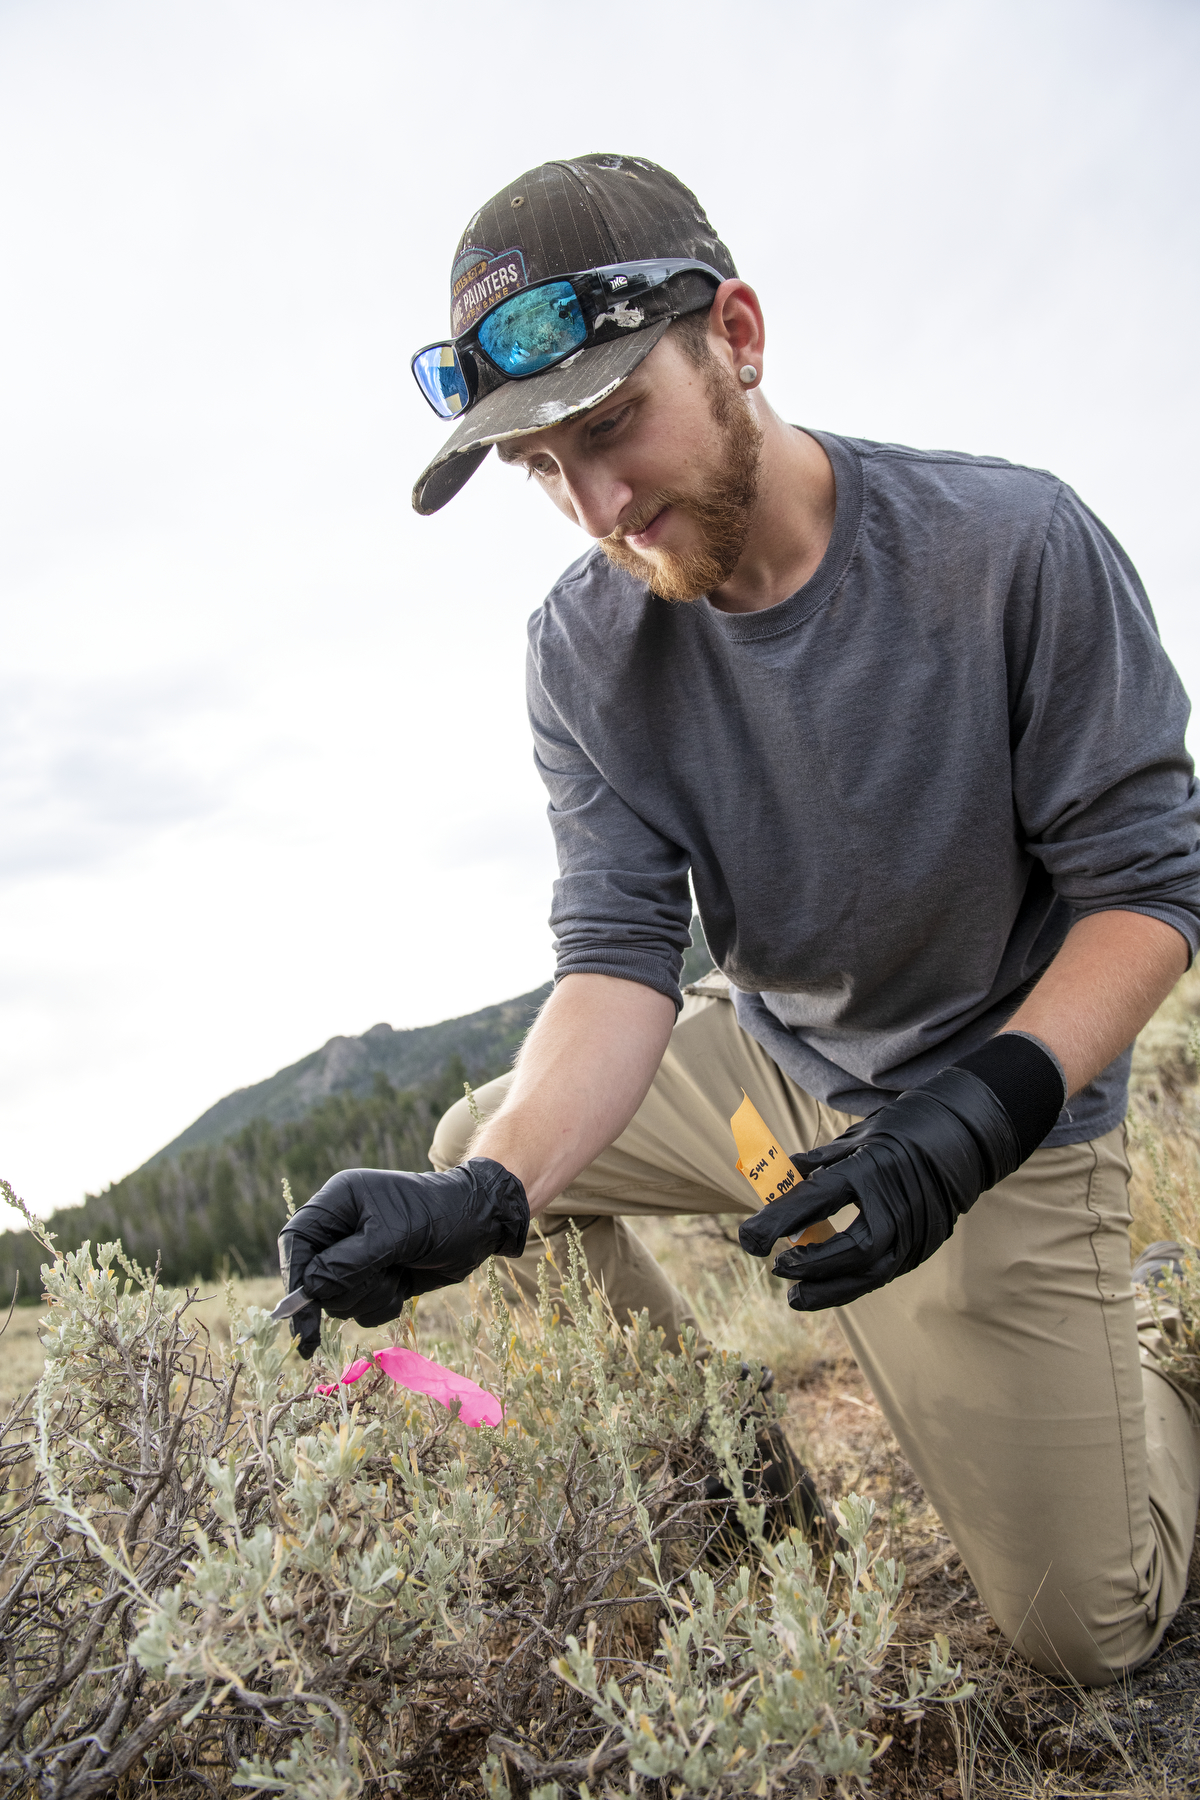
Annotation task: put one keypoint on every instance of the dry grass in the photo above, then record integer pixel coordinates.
(738, 1303)
(23, 1358)
(21, 1363)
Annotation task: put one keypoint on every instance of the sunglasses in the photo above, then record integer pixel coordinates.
(536, 328)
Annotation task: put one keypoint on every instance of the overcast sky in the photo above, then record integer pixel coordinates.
(264, 768)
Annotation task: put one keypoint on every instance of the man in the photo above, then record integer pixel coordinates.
(904, 720)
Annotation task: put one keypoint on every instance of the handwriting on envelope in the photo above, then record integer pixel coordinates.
(769, 1172)
(760, 1159)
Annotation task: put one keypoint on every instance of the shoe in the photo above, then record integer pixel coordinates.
(777, 1480)
(1157, 1260)
(766, 1380)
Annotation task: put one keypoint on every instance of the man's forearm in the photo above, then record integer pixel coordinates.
(1113, 971)
(582, 1074)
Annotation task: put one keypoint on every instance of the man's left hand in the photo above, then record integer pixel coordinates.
(911, 1169)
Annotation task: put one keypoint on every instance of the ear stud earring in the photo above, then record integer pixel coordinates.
(748, 374)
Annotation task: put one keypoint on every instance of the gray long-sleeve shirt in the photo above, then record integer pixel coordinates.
(894, 792)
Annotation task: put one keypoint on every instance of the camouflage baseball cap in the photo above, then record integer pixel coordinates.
(566, 218)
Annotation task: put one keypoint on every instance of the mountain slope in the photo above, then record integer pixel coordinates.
(219, 1205)
(348, 1065)
(484, 1040)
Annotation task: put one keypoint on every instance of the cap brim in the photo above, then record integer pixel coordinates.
(519, 407)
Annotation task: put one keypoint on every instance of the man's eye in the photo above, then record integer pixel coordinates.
(541, 469)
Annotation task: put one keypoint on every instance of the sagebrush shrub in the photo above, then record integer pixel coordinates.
(216, 1577)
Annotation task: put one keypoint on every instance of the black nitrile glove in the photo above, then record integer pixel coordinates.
(372, 1238)
(911, 1169)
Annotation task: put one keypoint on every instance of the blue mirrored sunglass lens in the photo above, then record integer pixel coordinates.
(524, 334)
(441, 380)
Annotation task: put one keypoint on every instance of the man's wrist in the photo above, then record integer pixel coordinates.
(496, 1144)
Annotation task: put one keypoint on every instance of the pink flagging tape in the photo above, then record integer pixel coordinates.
(419, 1375)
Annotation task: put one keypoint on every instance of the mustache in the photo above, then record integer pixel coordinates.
(645, 515)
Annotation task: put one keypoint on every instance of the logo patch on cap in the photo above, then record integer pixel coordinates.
(478, 280)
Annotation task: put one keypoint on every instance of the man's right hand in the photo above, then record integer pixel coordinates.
(372, 1238)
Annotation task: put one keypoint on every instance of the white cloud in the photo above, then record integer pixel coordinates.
(89, 772)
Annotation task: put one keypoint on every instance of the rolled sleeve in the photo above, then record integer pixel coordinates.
(622, 905)
(1103, 786)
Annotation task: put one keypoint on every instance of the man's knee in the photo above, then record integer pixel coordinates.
(457, 1127)
(1094, 1649)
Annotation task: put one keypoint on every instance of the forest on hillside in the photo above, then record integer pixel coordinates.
(218, 1208)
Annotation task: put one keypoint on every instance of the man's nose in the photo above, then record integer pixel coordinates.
(598, 500)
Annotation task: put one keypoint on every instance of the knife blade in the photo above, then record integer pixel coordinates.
(291, 1304)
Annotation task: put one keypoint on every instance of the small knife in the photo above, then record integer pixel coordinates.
(291, 1304)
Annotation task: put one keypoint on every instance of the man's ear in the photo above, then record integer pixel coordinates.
(736, 329)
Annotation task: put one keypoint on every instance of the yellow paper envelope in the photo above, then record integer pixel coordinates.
(768, 1170)
(760, 1159)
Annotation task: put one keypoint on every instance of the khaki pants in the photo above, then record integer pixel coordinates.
(1012, 1366)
